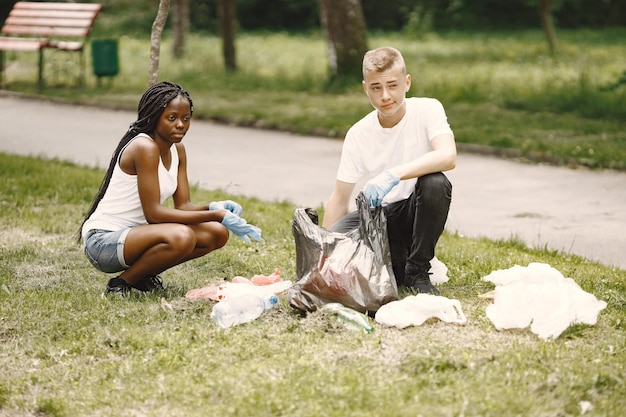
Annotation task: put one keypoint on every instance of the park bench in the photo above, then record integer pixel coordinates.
(36, 26)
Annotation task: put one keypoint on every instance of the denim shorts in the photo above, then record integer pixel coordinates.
(105, 249)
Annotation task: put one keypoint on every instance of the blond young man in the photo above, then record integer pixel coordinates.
(403, 146)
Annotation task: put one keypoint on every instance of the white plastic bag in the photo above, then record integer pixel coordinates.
(416, 309)
(438, 272)
(539, 296)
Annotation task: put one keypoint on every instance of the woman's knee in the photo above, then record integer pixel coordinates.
(182, 239)
(221, 236)
(212, 235)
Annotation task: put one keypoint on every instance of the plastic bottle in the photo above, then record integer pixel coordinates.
(242, 309)
(350, 318)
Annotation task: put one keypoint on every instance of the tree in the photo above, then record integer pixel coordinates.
(180, 23)
(346, 34)
(155, 41)
(545, 15)
(227, 16)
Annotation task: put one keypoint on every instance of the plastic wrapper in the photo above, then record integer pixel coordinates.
(227, 290)
(351, 319)
(438, 272)
(352, 269)
(414, 310)
(539, 296)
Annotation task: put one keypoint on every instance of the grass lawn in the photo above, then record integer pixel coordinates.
(65, 351)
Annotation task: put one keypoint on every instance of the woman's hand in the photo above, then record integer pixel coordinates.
(227, 205)
(241, 228)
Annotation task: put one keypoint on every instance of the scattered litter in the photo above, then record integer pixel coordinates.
(273, 278)
(243, 309)
(350, 318)
(416, 309)
(166, 305)
(438, 272)
(585, 406)
(260, 285)
(539, 296)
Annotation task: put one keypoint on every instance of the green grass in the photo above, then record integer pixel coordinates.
(503, 91)
(64, 351)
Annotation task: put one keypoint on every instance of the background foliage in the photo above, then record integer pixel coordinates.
(503, 90)
(136, 16)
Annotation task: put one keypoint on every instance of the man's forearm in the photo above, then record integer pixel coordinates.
(332, 213)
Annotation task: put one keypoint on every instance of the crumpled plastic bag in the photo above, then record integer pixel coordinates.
(260, 279)
(416, 309)
(352, 269)
(540, 296)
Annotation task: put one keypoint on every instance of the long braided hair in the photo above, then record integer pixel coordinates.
(151, 106)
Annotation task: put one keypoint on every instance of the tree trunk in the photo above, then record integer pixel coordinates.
(227, 16)
(344, 26)
(155, 41)
(180, 21)
(545, 14)
(615, 12)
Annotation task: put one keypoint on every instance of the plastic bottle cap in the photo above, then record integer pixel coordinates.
(270, 301)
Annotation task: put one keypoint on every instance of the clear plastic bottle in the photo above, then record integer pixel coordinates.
(242, 309)
(350, 318)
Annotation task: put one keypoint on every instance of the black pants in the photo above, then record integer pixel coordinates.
(414, 225)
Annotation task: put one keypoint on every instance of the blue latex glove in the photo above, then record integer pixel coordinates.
(241, 228)
(227, 205)
(377, 188)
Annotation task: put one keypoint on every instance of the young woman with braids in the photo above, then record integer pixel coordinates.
(128, 229)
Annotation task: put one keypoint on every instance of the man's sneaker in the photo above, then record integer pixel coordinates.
(117, 286)
(150, 283)
(421, 284)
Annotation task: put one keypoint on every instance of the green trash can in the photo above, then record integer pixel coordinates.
(104, 57)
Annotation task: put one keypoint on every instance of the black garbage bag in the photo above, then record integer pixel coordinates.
(353, 269)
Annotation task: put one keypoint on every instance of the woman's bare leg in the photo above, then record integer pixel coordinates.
(153, 248)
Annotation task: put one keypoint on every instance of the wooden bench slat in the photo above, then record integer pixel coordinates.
(22, 44)
(58, 14)
(56, 6)
(35, 22)
(44, 31)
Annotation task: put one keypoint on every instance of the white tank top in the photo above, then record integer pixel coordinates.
(120, 207)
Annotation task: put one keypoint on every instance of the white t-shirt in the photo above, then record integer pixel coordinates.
(120, 207)
(369, 148)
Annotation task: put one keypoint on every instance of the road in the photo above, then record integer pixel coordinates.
(575, 211)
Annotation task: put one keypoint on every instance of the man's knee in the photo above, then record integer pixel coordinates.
(434, 192)
(434, 183)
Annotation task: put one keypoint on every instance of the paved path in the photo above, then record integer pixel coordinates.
(575, 211)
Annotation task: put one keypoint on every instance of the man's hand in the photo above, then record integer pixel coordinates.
(377, 188)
